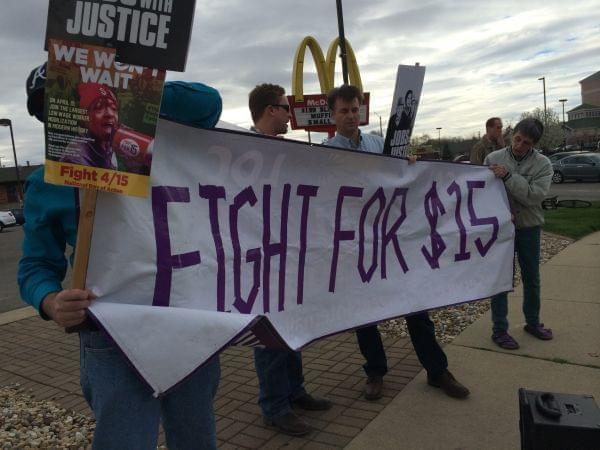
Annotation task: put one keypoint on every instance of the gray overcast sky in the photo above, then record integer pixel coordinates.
(482, 58)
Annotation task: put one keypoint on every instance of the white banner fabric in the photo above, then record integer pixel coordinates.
(251, 240)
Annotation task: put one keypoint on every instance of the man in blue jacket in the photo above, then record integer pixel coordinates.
(126, 412)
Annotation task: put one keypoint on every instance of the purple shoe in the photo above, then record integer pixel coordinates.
(545, 334)
(504, 340)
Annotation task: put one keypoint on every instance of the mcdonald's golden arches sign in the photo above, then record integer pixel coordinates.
(310, 112)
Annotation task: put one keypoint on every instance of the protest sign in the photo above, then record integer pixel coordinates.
(407, 95)
(153, 33)
(100, 119)
(260, 240)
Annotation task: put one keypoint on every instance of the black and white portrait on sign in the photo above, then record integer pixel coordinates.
(401, 124)
(404, 110)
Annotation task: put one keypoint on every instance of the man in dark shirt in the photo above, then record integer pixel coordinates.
(490, 142)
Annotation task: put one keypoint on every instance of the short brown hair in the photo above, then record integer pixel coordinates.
(262, 96)
(491, 122)
(346, 92)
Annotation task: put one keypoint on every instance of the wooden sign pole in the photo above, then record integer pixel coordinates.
(87, 210)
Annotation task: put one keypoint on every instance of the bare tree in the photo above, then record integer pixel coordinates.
(554, 135)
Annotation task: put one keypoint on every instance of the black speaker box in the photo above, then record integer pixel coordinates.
(550, 421)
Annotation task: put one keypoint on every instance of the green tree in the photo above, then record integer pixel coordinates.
(553, 132)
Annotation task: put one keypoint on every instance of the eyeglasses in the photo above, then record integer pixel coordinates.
(286, 107)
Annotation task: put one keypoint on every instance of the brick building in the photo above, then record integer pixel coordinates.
(8, 182)
(584, 120)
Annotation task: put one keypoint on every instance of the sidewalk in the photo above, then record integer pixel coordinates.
(422, 418)
(45, 361)
(41, 357)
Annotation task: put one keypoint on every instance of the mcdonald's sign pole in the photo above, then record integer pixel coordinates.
(340, 15)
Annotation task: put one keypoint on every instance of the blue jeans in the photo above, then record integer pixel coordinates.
(127, 414)
(280, 380)
(422, 334)
(527, 246)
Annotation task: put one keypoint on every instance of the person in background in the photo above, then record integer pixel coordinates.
(491, 141)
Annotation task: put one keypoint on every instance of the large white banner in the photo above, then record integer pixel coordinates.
(260, 241)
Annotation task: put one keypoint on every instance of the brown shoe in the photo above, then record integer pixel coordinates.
(447, 383)
(373, 388)
(289, 424)
(311, 403)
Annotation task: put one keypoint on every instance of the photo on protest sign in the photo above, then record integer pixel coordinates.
(154, 33)
(407, 95)
(100, 119)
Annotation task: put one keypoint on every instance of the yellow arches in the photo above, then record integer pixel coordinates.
(325, 68)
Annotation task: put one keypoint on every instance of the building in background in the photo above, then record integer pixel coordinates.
(8, 183)
(584, 120)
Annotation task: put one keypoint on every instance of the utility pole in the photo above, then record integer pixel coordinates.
(439, 129)
(340, 16)
(543, 80)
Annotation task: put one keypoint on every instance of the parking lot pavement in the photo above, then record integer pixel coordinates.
(572, 190)
(10, 252)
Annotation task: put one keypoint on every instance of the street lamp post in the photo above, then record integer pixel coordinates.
(8, 123)
(380, 124)
(543, 80)
(439, 129)
(563, 101)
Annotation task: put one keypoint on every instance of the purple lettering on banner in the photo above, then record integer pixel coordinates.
(366, 275)
(463, 254)
(390, 235)
(304, 191)
(272, 249)
(253, 255)
(475, 221)
(213, 194)
(341, 235)
(434, 206)
(165, 261)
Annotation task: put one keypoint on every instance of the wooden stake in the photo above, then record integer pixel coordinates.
(87, 210)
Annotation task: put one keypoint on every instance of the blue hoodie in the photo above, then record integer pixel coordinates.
(51, 211)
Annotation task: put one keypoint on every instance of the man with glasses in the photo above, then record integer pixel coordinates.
(270, 109)
(491, 141)
(280, 377)
(527, 175)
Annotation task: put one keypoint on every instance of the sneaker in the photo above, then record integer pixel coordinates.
(545, 334)
(447, 383)
(373, 388)
(311, 403)
(504, 340)
(289, 424)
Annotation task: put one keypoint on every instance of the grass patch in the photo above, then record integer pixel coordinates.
(573, 222)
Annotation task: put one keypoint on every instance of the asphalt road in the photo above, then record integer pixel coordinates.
(10, 252)
(572, 190)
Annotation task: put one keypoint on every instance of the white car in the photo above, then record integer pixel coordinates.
(7, 220)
